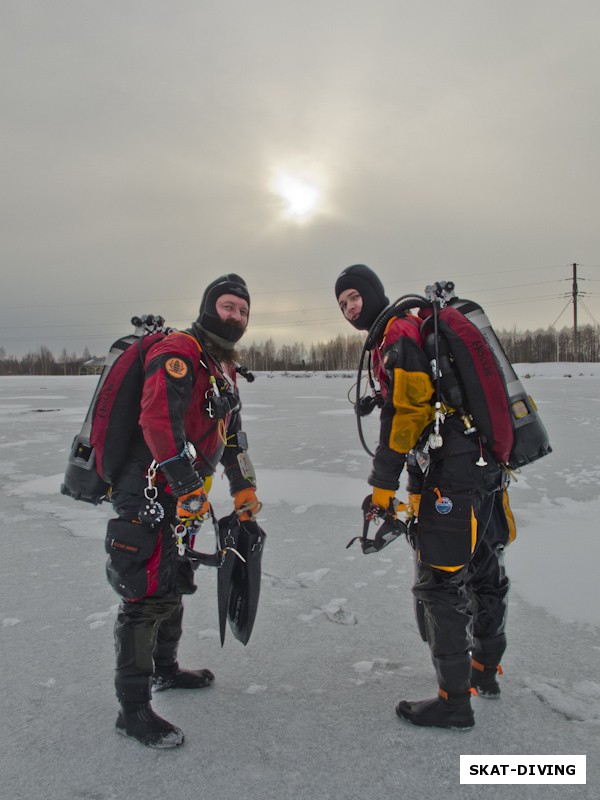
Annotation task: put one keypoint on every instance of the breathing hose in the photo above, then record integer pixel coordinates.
(396, 309)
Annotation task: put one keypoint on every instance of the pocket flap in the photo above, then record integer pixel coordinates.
(447, 527)
(130, 539)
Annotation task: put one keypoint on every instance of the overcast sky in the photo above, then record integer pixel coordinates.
(148, 146)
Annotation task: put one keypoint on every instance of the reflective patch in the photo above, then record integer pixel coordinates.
(444, 505)
(176, 368)
(246, 467)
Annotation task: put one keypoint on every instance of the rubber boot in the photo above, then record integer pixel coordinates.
(443, 711)
(484, 680)
(139, 721)
(182, 679)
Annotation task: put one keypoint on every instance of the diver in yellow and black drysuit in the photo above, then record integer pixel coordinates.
(461, 515)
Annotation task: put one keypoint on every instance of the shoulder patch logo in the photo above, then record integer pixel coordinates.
(176, 367)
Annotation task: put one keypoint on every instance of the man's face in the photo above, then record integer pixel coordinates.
(233, 310)
(350, 303)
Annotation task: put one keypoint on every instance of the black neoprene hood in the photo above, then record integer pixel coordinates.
(209, 321)
(370, 288)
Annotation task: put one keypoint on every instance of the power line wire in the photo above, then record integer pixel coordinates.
(285, 290)
(256, 316)
(588, 311)
(560, 315)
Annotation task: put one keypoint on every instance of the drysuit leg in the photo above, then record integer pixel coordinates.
(167, 641)
(447, 617)
(489, 586)
(448, 612)
(136, 634)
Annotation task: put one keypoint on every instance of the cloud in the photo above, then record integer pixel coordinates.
(140, 139)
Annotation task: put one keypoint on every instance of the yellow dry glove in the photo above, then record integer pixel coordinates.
(382, 497)
(414, 501)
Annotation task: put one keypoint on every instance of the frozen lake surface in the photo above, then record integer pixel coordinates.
(307, 708)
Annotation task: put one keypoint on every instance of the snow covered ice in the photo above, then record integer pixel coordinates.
(306, 710)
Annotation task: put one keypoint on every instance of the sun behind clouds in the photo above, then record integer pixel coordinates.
(301, 197)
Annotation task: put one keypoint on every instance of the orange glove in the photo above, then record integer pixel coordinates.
(193, 506)
(247, 505)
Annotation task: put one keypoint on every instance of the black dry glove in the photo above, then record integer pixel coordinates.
(368, 404)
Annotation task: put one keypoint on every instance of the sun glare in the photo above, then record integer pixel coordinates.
(301, 198)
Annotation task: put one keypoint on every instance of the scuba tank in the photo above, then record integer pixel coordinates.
(82, 480)
(531, 439)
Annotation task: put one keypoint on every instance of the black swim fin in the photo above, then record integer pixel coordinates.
(245, 581)
(229, 531)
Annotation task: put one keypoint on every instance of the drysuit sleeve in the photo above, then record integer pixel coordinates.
(168, 383)
(235, 460)
(408, 408)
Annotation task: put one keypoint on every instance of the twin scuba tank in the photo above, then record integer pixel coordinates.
(97, 450)
(475, 372)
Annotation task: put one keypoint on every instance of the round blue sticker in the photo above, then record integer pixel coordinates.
(444, 505)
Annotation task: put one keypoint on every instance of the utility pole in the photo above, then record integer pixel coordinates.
(575, 334)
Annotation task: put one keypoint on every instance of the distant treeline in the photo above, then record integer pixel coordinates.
(343, 353)
(43, 362)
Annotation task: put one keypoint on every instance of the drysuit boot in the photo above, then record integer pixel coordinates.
(139, 721)
(484, 680)
(444, 711)
(182, 679)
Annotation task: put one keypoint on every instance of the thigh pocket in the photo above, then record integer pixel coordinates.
(132, 550)
(447, 529)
